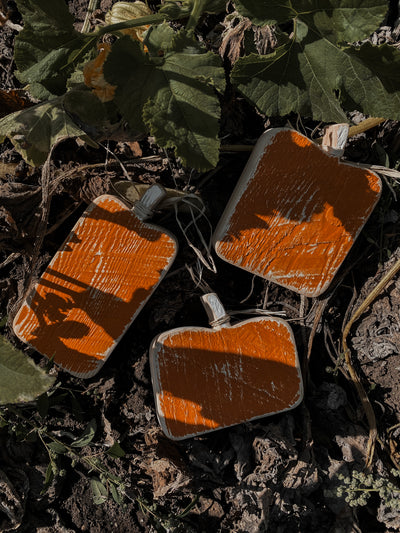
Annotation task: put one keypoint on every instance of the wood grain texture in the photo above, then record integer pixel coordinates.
(95, 286)
(206, 379)
(295, 213)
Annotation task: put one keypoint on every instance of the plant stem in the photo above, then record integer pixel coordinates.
(132, 23)
(196, 13)
(91, 7)
(369, 412)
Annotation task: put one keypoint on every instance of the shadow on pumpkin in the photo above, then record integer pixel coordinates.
(72, 326)
(203, 390)
(301, 213)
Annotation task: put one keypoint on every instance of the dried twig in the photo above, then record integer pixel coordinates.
(369, 412)
(12, 257)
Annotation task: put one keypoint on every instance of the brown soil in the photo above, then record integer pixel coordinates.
(278, 474)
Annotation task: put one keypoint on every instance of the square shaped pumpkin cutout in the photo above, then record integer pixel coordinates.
(295, 212)
(96, 284)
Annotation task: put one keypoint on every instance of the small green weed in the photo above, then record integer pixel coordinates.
(359, 487)
(83, 453)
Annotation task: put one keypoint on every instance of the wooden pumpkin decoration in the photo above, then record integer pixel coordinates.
(96, 284)
(295, 212)
(207, 379)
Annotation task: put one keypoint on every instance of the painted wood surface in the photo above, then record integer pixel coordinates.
(295, 213)
(95, 286)
(207, 379)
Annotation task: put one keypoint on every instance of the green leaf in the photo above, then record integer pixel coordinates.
(313, 77)
(99, 491)
(117, 496)
(35, 130)
(376, 88)
(49, 477)
(340, 20)
(115, 451)
(262, 13)
(20, 379)
(44, 46)
(170, 92)
(86, 106)
(57, 447)
(87, 436)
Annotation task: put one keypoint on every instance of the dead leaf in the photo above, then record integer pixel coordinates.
(13, 100)
(7, 168)
(135, 149)
(240, 34)
(166, 477)
(233, 38)
(250, 509)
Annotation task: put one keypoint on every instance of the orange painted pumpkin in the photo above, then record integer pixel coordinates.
(295, 212)
(95, 286)
(207, 379)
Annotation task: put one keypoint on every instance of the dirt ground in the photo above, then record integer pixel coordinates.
(279, 474)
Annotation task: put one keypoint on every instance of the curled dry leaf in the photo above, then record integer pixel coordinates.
(123, 11)
(94, 77)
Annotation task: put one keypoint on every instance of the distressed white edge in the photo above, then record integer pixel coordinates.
(247, 175)
(155, 374)
(107, 354)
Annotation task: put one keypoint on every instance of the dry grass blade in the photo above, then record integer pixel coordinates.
(369, 412)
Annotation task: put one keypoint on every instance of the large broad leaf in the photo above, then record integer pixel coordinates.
(85, 106)
(314, 77)
(45, 46)
(170, 91)
(20, 379)
(340, 20)
(35, 130)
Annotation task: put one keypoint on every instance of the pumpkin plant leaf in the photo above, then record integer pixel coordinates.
(313, 76)
(339, 20)
(35, 130)
(174, 9)
(20, 379)
(46, 44)
(84, 104)
(170, 92)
